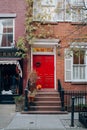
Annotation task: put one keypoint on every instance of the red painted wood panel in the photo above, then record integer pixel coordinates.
(44, 65)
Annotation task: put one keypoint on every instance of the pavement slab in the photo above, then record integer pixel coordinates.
(11, 120)
(7, 113)
(35, 122)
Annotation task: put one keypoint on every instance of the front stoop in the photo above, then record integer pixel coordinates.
(47, 101)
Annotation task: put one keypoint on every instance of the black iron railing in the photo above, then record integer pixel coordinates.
(74, 101)
(66, 97)
(61, 92)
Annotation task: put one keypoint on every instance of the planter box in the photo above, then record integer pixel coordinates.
(19, 106)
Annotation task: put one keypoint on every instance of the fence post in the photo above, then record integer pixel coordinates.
(72, 112)
(26, 100)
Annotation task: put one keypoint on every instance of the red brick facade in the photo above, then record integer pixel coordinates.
(66, 32)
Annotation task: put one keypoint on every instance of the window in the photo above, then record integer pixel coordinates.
(76, 66)
(6, 32)
(59, 10)
(79, 3)
(44, 10)
(77, 11)
(79, 66)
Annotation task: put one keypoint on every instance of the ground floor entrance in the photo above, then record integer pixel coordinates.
(44, 65)
(10, 80)
(43, 60)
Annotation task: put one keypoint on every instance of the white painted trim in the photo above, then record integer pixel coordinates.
(8, 15)
(46, 43)
(14, 31)
(55, 87)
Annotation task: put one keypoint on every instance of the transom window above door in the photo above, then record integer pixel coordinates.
(42, 49)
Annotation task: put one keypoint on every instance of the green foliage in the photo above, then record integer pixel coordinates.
(19, 99)
(33, 29)
(21, 47)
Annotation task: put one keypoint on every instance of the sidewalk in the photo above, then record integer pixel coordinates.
(18, 121)
(7, 113)
(43, 122)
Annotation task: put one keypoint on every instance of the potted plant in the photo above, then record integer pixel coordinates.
(32, 85)
(19, 102)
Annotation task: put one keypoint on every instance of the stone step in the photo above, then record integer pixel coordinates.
(37, 98)
(48, 94)
(44, 112)
(45, 108)
(47, 101)
(50, 103)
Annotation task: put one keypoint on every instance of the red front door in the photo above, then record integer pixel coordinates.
(44, 65)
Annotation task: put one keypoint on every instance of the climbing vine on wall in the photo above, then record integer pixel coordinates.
(33, 29)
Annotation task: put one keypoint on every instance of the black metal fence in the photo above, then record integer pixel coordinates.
(80, 102)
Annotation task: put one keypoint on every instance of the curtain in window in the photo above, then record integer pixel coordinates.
(1, 32)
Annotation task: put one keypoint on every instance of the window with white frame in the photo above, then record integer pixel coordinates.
(79, 66)
(75, 66)
(59, 10)
(44, 10)
(78, 14)
(6, 32)
(77, 3)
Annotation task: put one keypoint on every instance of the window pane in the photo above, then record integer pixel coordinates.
(78, 57)
(60, 10)
(75, 58)
(78, 15)
(6, 32)
(0, 39)
(67, 11)
(79, 67)
(82, 55)
(7, 39)
(7, 22)
(44, 10)
(77, 2)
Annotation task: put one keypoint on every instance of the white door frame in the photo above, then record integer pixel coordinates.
(46, 44)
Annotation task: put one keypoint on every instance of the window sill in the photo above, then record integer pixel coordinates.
(78, 23)
(79, 82)
(46, 22)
